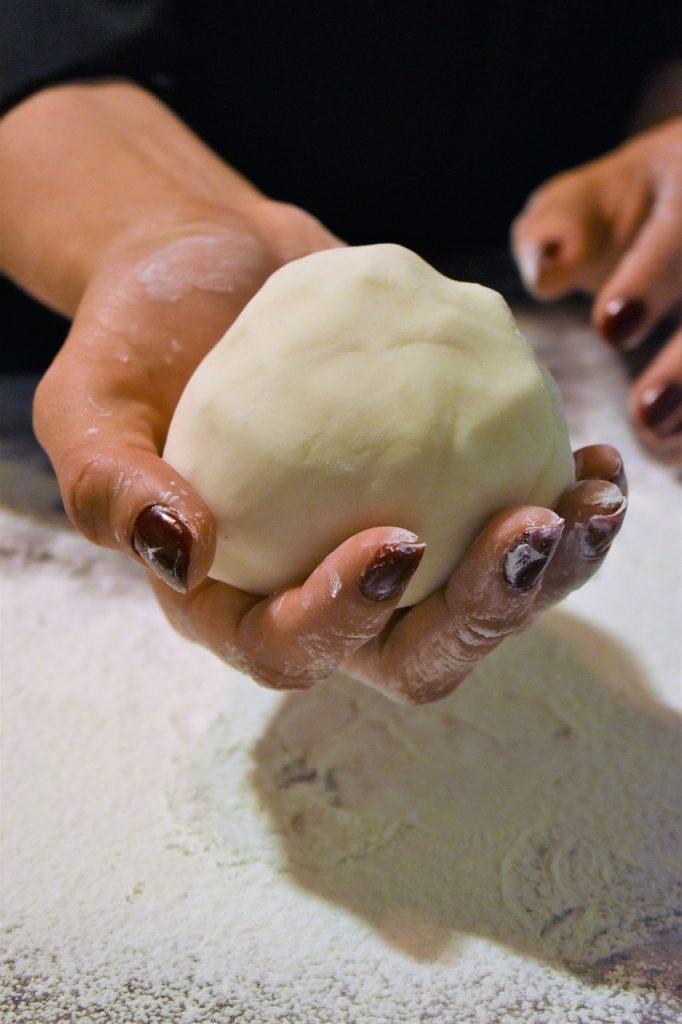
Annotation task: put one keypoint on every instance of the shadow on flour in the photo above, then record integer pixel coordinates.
(538, 806)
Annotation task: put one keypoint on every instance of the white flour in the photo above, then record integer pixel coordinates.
(180, 845)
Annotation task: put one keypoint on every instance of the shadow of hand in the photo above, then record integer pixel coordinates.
(537, 806)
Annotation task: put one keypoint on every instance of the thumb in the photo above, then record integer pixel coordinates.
(103, 440)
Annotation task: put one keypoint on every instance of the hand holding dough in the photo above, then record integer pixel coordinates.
(361, 388)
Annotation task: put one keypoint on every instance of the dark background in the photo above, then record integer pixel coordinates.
(425, 124)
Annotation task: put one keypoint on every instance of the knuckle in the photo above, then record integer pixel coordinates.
(296, 230)
(295, 217)
(419, 695)
(426, 681)
(275, 679)
(86, 479)
(475, 637)
(290, 660)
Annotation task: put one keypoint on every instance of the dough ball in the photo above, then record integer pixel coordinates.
(361, 388)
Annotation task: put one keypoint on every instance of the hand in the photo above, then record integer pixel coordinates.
(157, 302)
(613, 229)
(151, 311)
(152, 245)
(344, 615)
(154, 270)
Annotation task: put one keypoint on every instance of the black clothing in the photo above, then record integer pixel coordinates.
(421, 123)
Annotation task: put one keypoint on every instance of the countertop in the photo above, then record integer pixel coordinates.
(181, 845)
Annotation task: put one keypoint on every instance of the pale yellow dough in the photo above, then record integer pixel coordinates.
(361, 388)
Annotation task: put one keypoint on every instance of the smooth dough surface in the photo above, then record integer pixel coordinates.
(362, 388)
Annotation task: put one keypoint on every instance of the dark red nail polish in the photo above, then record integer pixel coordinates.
(597, 533)
(387, 577)
(660, 409)
(589, 468)
(548, 252)
(530, 554)
(619, 478)
(622, 318)
(164, 542)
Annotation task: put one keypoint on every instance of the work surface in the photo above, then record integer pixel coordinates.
(181, 845)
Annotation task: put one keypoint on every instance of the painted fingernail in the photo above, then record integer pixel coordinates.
(618, 477)
(589, 468)
(622, 318)
(660, 409)
(596, 534)
(548, 252)
(164, 542)
(530, 554)
(394, 565)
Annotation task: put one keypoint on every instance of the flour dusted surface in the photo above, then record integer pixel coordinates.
(180, 845)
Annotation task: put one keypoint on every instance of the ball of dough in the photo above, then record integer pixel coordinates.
(362, 388)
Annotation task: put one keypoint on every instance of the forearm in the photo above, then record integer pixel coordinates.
(81, 166)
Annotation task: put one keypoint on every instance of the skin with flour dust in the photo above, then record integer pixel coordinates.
(122, 279)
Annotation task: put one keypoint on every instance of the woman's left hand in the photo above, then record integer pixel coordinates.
(613, 228)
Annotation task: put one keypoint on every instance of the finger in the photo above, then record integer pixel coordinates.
(557, 245)
(125, 497)
(298, 636)
(425, 654)
(148, 317)
(647, 281)
(656, 402)
(593, 511)
(120, 494)
(601, 462)
(101, 412)
(576, 228)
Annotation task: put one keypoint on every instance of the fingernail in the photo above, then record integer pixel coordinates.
(596, 534)
(587, 469)
(394, 565)
(659, 405)
(548, 252)
(622, 318)
(164, 542)
(534, 260)
(530, 554)
(618, 477)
